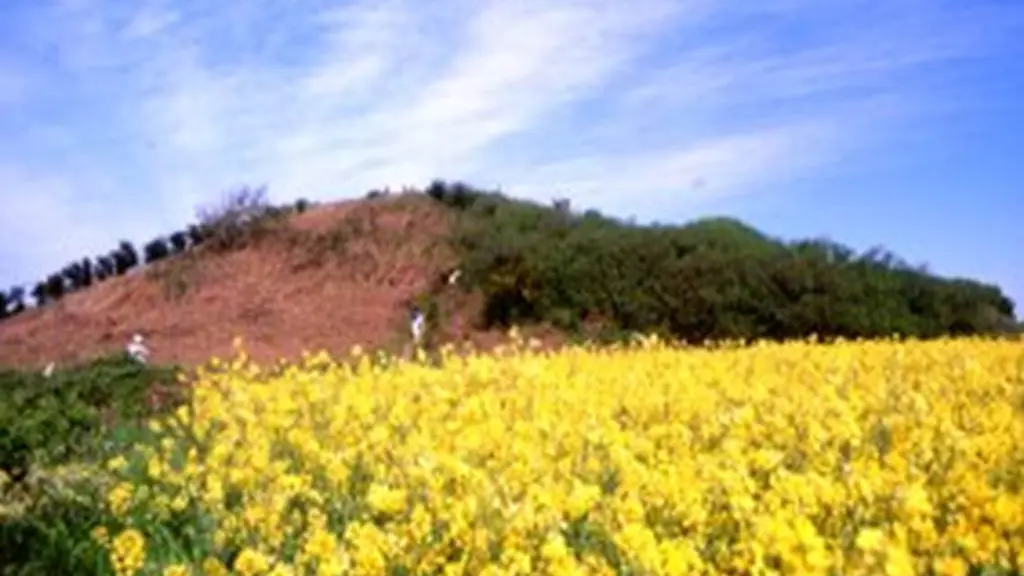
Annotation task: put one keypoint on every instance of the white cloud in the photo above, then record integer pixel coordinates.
(51, 201)
(47, 225)
(13, 86)
(148, 21)
(669, 100)
(712, 169)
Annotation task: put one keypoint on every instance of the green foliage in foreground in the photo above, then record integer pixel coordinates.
(64, 417)
(711, 279)
(79, 415)
(47, 521)
(51, 534)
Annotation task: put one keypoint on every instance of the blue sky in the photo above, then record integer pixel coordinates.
(888, 122)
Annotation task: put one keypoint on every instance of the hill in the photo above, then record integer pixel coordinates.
(330, 278)
(343, 274)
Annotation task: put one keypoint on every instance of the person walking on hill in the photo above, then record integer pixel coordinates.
(137, 349)
(416, 325)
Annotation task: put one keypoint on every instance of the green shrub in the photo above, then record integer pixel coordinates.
(61, 418)
(715, 278)
(52, 533)
(242, 217)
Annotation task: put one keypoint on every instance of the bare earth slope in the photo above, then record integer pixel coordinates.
(339, 275)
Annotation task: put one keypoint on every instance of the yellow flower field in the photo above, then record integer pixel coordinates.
(853, 458)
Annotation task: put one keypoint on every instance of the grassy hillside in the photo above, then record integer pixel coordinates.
(710, 279)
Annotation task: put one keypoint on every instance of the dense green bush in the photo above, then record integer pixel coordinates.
(52, 533)
(178, 241)
(710, 279)
(83, 414)
(64, 417)
(156, 250)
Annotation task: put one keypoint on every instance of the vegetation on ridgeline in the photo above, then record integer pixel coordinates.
(242, 216)
(714, 278)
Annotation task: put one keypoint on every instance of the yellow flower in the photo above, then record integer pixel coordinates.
(581, 499)
(251, 562)
(679, 557)
(179, 502)
(386, 500)
(726, 458)
(177, 570)
(554, 548)
(899, 562)
(320, 545)
(214, 567)
(101, 535)
(950, 566)
(871, 540)
(916, 501)
(119, 499)
(117, 464)
(282, 570)
(155, 467)
(128, 552)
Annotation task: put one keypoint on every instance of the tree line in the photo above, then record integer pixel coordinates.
(223, 226)
(87, 271)
(715, 278)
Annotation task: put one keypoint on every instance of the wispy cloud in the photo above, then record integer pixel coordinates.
(155, 106)
(13, 84)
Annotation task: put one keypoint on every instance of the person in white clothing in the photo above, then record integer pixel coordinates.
(416, 325)
(137, 349)
(454, 277)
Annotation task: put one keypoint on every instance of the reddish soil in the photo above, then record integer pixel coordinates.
(339, 275)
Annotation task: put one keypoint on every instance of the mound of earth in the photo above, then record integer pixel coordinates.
(339, 275)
